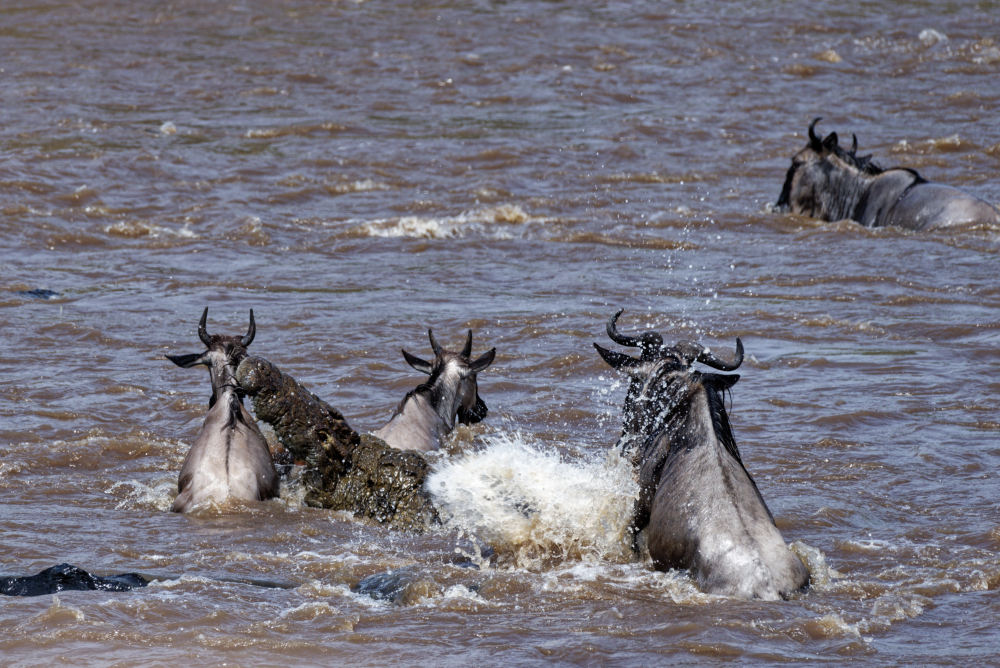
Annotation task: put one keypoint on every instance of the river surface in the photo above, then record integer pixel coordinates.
(357, 172)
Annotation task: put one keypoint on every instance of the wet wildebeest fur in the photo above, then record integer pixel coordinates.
(66, 577)
(698, 505)
(828, 182)
(229, 457)
(428, 413)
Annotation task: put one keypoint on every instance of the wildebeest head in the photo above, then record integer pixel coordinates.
(453, 380)
(662, 375)
(223, 355)
(815, 180)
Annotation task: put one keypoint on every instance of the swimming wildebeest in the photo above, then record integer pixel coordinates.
(698, 505)
(427, 414)
(66, 577)
(229, 457)
(828, 182)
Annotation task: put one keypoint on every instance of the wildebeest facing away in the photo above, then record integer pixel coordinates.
(427, 414)
(828, 182)
(698, 505)
(229, 457)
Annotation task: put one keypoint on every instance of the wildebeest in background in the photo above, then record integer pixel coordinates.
(66, 577)
(427, 414)
(229, 457)
(698, 505)
(828, 182)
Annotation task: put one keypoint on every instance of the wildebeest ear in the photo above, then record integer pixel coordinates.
(483, 361)
(830, 142)
(720, 381)
(185, 361)
(617, 360)
(418, 364)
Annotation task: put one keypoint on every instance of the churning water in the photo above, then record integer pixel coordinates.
(357, 172)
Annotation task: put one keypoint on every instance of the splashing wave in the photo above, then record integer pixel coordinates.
(535, 507)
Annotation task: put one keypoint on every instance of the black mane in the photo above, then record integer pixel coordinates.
(428, 388)
(720, 422)
(234, 414)
(724, 432)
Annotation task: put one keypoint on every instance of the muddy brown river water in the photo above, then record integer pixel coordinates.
(357, 172)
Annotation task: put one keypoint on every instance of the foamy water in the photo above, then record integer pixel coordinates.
(499, 222)
(535, 506)
(357, 172)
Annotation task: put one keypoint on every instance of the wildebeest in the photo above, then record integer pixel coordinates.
(427, 414)
(66, 577)
(698, 505)
(826, 181)
(229, 457)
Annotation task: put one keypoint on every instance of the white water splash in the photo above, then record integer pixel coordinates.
(136, 229)
(930, 37)
(533, 506)
(821, 575)
(498, 220)
(132, 493)
(361, 186)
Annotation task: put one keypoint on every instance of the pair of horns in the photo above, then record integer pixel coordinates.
(438, 350)
(816, 142)
(245, 341)
(651, 345)
(475, 365)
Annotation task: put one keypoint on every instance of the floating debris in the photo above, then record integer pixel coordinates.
(39, 293)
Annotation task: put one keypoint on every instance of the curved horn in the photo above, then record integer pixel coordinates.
(716, 362)
(618, 337)
(467, 350)
(650, 342)
(854, 143)
(434, 344)
(693, 352)
(617, 360)
(251, 331)
(202, 331)
(813, 139)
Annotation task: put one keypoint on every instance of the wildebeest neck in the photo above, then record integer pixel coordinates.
(440, 391)
(650, 405)
(222, 372)
(720, 422)
(846, 187)
(675, 424)
(234, 407)
(665, 408)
